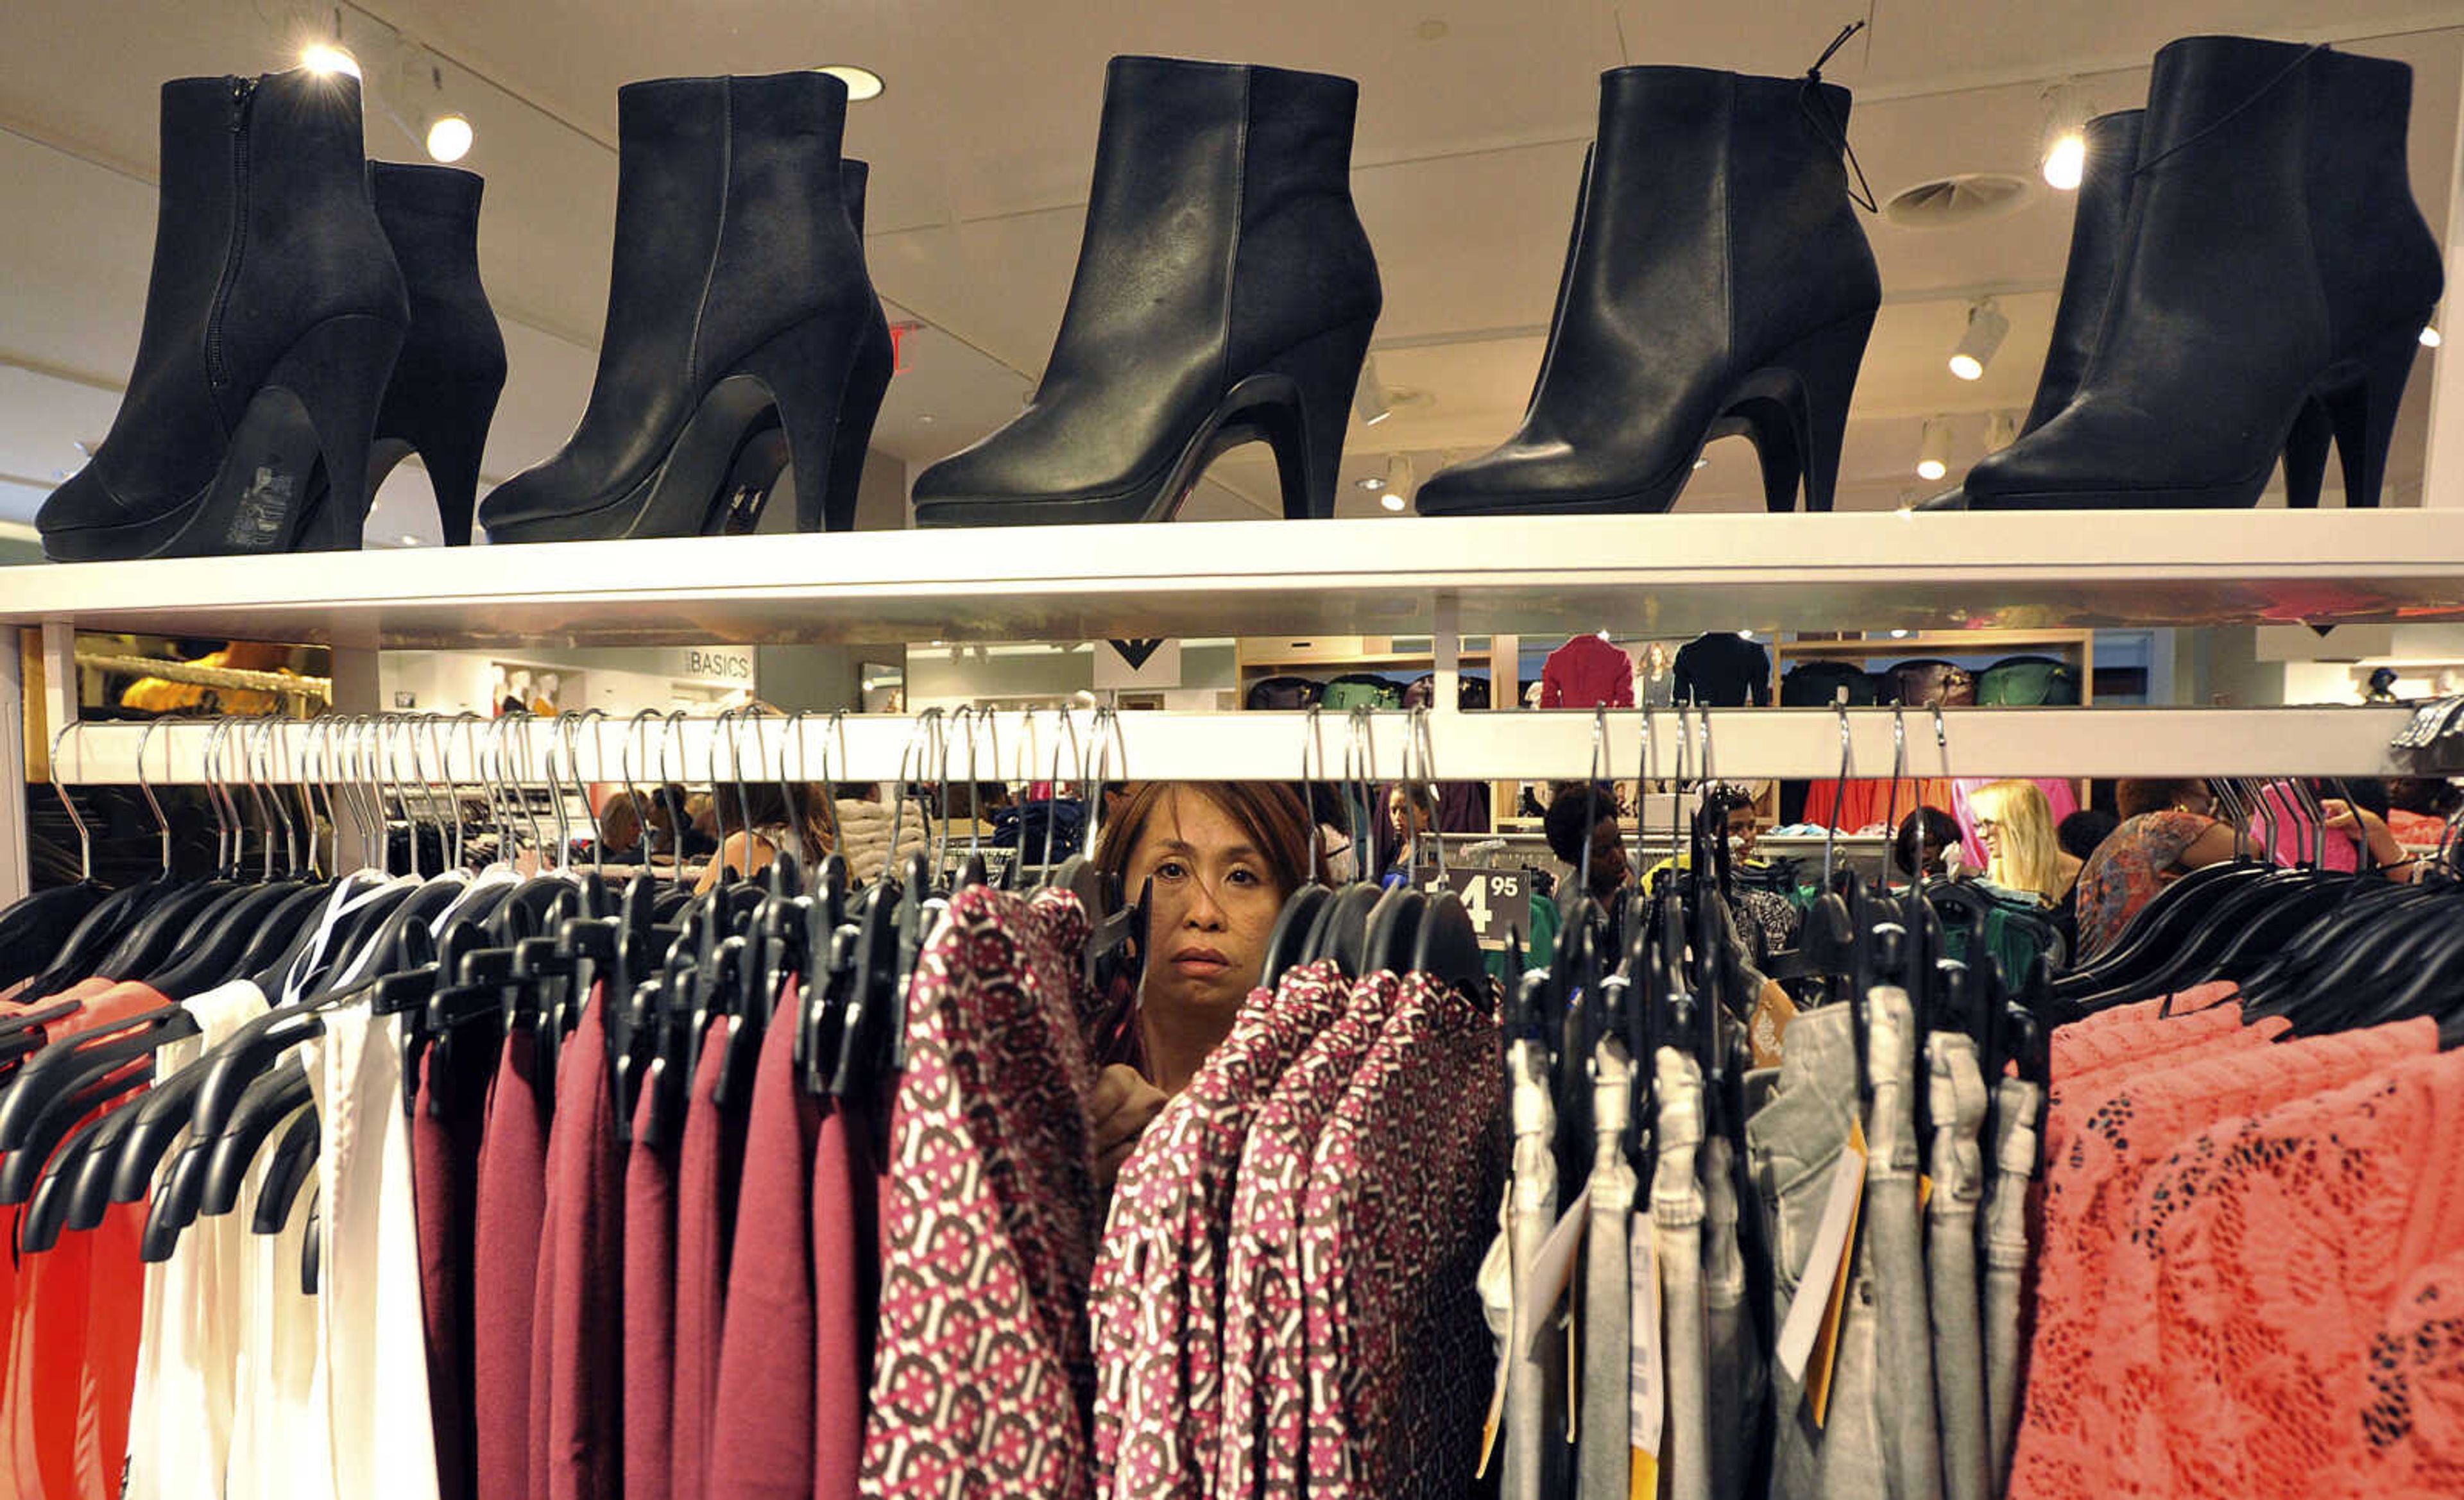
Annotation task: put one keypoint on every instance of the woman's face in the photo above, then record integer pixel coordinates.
(1989, 833)
(1405, 816)
(1214, 903)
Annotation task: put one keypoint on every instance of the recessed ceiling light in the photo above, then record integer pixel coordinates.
(1374, 482)
(862, 84)
(409, 541)
(328, 58)
(925, 417)
(1702, 463)
(448, 138)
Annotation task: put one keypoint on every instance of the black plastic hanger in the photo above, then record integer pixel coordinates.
(291, 1167)
(1286, 943)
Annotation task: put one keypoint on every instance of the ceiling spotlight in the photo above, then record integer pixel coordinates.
(1987, 328)
(328, 58)
(862, 84)
(2061, 149)
(1398, 489)
(2001, 430)
(448, 138)
(1373, 484)
(2429, 339)
(1369, 400)
(1702, 463)
(1933, 450)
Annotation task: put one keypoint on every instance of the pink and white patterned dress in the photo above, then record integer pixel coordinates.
(1159, 1275)
(983, 1377)
(1391, 1238)
(1265, 1340)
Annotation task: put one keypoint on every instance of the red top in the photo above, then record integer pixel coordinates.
(510, 1207)
(847, 1296)
(584, 1290)
(1587, 673)
(761, 1439)
(79, 1312)
(649, 1311)
(703, 1200)
(445, 1194)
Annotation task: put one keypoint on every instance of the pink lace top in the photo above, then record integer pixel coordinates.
(2296, 1274)
(2124, 1034)
(2068, 1440)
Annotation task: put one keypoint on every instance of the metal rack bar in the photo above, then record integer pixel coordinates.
(1750, 743)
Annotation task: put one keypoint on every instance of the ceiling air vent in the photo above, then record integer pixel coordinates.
(1949, 202)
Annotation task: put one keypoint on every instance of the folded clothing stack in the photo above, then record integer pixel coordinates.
(864, 834)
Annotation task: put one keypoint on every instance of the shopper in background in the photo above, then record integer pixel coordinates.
(1582, 828)
(1410, 815)
(1924, 848)
(1216, 860)
(621, 838)
(760, 821)
(2079, 834)
(2015, 824)
(1766, 920)
(1340, 863)
(2418, 807)
(2166, 830)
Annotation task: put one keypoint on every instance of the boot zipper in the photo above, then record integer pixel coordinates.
(243, 91)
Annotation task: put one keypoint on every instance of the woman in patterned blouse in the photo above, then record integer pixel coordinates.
(2167, 831)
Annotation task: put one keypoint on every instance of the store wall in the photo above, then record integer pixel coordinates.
(947, 676)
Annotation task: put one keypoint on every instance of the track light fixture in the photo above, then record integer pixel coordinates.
(2061, 149)
(1987, 328)
(1369, 400)
(1933, 450)
(2001, 430)
(1397, 492)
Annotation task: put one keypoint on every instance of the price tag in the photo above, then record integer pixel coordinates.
(1646, 1397)
(1499, 900)
(1810, 1334)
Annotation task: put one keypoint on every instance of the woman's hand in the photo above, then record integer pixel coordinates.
(2372, 830)
(1123, 1105)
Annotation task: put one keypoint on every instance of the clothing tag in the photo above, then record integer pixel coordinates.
(1767, 1030)
(1812, 1312)
(1544, 1284)
(1646, 1397)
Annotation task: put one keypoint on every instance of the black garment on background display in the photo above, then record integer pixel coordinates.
(1818, 684)
(1285, 693)
(1723, 670)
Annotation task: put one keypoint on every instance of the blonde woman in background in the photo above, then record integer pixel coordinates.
(2015, 824)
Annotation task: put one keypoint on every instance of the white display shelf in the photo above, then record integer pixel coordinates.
(1644, 574)
(1532, 746)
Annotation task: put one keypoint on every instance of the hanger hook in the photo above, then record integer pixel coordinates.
(68, 804)
(147, 786)
(1847, 753)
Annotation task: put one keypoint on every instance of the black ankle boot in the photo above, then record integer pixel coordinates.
(452, 365)
(272, 320)
(2273, 256)
(1719, 283)
(738, 315)
(2106, 177)
(1224, 294)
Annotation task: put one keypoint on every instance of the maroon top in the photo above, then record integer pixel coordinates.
(512, 1203)
(847, 1293)
(761, 1439)
(1587, 673)
(650, 1312)
(702, 1223)
(585, 1300)
(445, 1196)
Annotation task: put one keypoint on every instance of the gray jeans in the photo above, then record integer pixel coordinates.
(1603, 1442)
(1536, 1392)
(1676, 1230)
(1956, 1096)
(1792, 1143)
(1912, 1450)
(1736, 1359)
(2006, 1267)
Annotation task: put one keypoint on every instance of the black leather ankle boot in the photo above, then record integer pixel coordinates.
(2273, 256)
(451, 367)
(738, 314)
(2106, 176)
(1224, 294)
(1719, 283)
(272, 320)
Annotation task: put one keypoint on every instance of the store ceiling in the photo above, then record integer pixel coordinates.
(1473, 120)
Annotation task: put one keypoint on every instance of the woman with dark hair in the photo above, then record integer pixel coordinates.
(2167, 831)
(759, 822)
(1215, 862)
(1921, 850)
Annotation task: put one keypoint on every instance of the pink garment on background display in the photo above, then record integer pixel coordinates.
(2293, 837)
